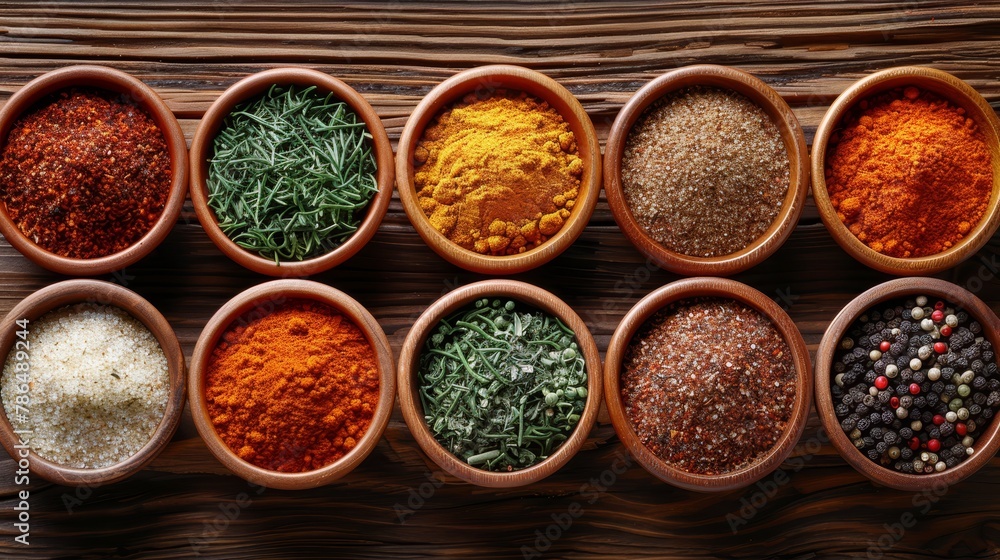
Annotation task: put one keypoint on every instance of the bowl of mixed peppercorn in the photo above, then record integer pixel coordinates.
(93, 170)
(907, 383)
(292, 172)
(500, 383)
(708, 384)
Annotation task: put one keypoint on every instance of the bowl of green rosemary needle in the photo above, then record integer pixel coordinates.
(292, 172)
(500, 383)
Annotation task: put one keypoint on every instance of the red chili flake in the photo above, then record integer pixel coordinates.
(85, 173)
(708, 385)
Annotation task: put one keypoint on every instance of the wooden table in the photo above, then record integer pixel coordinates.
(397, 503)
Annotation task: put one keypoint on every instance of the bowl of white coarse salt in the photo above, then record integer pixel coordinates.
(92, 385)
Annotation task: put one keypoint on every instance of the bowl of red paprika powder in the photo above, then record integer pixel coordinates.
(708, 384)
(321, 192)
(923, 353)
(906, 165)
(500, 383)
(93, 170)
(292, 384)
(499, 169)
(706, 170)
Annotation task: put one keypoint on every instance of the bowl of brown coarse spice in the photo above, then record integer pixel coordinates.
(499, 169)
(906, 164)
(93, 383)
(292, 384)
(706, 170)
(93, 170)
(708, 384)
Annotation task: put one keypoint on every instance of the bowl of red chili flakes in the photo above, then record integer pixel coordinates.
(93, 170)
(708, 384)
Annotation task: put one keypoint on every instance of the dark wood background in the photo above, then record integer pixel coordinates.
(393, 53)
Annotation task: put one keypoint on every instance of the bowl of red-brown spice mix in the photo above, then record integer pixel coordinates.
(93, 170)
(499, 169)
(292, 384)
(905, 167)
(908, 384)
(708, 384)
(291, 172)
(706, 170)
(93, 383)
(500, 383)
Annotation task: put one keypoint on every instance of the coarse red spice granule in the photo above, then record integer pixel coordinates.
(85, 173)
(708, 385)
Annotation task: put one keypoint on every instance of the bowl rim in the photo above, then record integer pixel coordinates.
(117, 81)
(69, 292)
(881, 293)
(686, 289)
(265, 298)
(942, 84)
(253, 86)
(409, 361)
(489, 78)
(793, 138)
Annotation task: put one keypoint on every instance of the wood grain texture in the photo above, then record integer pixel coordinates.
(394, 53)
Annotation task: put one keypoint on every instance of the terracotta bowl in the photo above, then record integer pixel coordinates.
(265, 298)
(483, 80)
(409, 399)
(109, 79)
(987, 443)
(683, 290)
(948, 87)
(105, 293)
(202, 149)
(791, 134)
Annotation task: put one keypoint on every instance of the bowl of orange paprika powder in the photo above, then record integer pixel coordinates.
(292, 384)
(906, 165)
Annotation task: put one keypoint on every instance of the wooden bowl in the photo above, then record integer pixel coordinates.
(948, 87)
(483, 80)
(987, 443)
(409, 362)
(791, 134)
(683, 290)
(265, 298)
(109, 79)
(202, 149)
(104, 293)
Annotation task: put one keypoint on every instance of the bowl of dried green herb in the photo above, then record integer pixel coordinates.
(93, 170)
(500, 383)
(292, 172)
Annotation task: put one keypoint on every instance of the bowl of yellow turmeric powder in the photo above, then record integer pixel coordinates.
(499, 169)
(906, 164)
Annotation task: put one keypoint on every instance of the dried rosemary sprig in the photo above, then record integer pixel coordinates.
(502, 388)
(292, 173)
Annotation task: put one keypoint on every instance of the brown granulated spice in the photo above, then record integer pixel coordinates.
(708, 385)
(705, 171)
